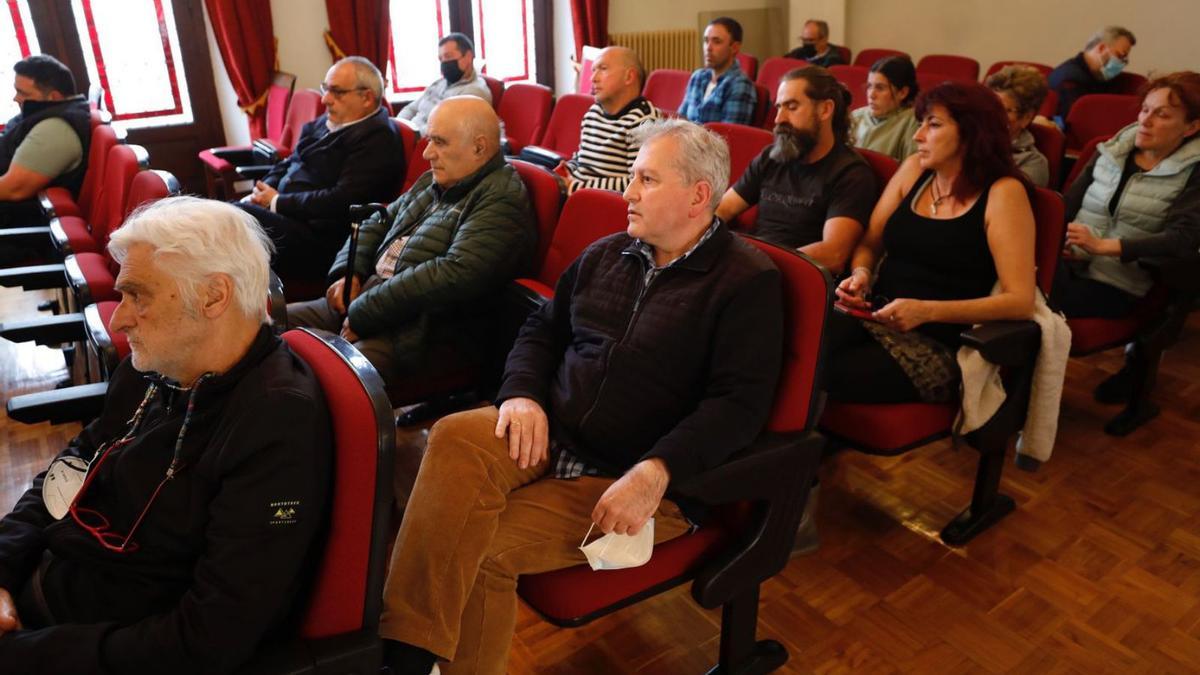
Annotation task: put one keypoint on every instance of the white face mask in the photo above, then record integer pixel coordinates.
(618, 551)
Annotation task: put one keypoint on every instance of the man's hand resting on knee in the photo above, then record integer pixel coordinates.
(9, 621)
(528, 431)
(626, 506)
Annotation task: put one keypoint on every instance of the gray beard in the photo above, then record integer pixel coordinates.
(791, 143)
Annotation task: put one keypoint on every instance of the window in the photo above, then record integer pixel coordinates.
(17, 41)
(132, 50)
(503, 32)
(509, 54)
(413, 44)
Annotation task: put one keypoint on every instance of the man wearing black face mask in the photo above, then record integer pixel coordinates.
(45, 144)
(815, 46)
(814, 193)
(457, 56)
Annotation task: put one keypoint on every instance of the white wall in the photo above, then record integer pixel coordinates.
(1032, 30)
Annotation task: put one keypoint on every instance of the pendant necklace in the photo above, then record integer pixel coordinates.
(937, 198)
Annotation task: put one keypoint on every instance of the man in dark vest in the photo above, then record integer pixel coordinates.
(350, 155)
(46, 143)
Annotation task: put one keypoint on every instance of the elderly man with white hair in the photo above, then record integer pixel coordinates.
(176, 531)
(656, 359)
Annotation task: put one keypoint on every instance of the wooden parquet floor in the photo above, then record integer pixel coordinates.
(1097, 571)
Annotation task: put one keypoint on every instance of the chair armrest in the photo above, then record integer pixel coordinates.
(776, 472)
(253, 172)
(1178, 274)
(25, 236)
(33, 277)
(46, 330)
(235, 156)
(73, 404)
(1005, 343)
(43, 198)
(544, 157)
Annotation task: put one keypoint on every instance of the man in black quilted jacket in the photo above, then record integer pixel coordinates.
(426, 270)
(350, 155)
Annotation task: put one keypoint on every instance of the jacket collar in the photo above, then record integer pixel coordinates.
(1121, 144)
(700, 259)
(217, 385)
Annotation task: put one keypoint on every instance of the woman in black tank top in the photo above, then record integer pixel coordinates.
(953, 220)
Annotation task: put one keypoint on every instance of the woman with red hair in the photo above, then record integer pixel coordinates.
(953, 220)
(1139, 196)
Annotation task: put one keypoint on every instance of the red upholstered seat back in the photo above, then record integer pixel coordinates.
(748, 64)
(666, 87)
(1099, 115)
(417, 164)
(587, 216)
(148, 186)
(119, 169)
(408, 141)
(1129, 84)
(960, 68)
(304, 107)
(806, 291)
(845, 52)
(855, 79)
(1085, 156)
(278, 97)
(773, 70)
(1053, 144)
(867, 57)
(745, 143)
(525, 110)
(338, 598)
(1049, 213)
(883, 165)
(103, 139)
(563, 130)
(546, 199)
(496, 88)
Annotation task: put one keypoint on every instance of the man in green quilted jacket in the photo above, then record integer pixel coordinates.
(424, 273)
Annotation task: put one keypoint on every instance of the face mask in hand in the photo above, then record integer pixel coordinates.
(618, 551)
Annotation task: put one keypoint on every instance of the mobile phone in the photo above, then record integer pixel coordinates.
(854, 312)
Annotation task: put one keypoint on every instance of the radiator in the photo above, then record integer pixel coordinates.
(679, 49)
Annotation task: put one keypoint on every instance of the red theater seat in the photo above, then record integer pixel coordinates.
(666, 88)
(952, 67)
(897, 428)
(338, 632)
(867, 57)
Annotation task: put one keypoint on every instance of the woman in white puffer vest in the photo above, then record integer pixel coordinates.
(1138, 197)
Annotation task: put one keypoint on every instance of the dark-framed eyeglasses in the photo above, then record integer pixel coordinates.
(338, 92)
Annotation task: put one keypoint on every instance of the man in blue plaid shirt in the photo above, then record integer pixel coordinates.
(720, 91)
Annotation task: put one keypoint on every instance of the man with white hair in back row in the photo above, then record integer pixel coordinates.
(177, 531)
(655, 360)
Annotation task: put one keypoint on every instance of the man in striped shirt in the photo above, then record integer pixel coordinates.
(606, 145)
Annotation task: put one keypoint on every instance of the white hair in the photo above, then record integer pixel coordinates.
(203, 237)
(366, 75)
(701, 154)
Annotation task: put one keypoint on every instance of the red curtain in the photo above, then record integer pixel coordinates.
(590, 18)
(246, 39)
(358, 28)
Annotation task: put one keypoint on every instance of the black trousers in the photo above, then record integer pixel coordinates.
(859, 370)
(302, 250)
(1078, 296)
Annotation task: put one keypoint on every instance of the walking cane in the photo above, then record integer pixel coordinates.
(358, 215)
